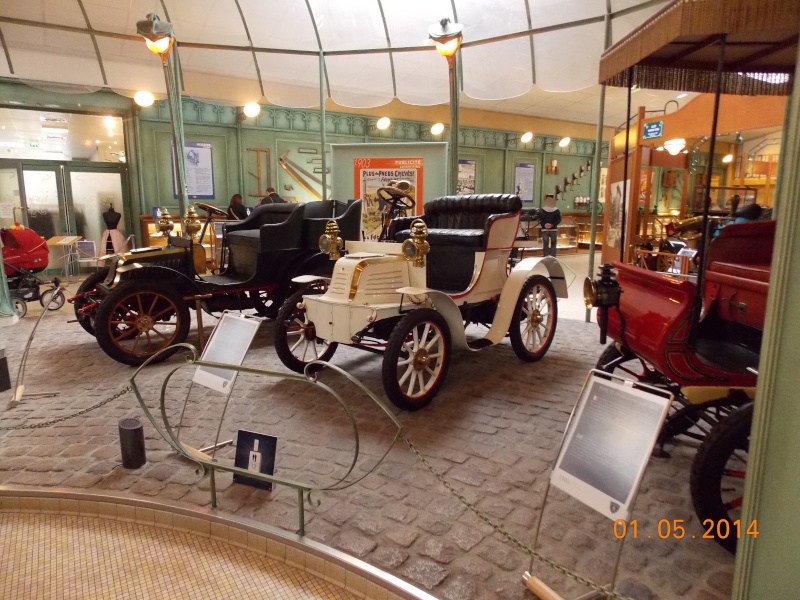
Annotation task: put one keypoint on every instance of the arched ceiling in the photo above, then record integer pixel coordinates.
(234, 51)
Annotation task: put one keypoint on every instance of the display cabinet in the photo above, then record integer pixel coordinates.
(583, 223)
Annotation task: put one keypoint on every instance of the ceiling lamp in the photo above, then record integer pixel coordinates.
(252, 109)
(727, 158)
(437, 128)
(144, 98)
(157, 34)
(565, 142)
(447, 37)
(660, 149)
(675, 146)
(383, 123)
(526, 137)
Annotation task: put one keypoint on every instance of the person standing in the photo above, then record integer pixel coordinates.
(236, 209)
(549, 219)
(272, 197)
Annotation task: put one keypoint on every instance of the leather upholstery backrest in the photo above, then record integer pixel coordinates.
(468, 212)
(268, 214)
(349, 224)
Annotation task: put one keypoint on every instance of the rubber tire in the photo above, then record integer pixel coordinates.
(287, 312)
(102, 322)
(88, 284)
(57, 303)
(517, 343)
(20, 307)
(394, 348)
(705, 482)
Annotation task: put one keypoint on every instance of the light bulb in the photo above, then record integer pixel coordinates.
(449, 47)
(437, 128)
(144, 98)
(252, 109)
(565, 142)
(159, 46)
(526, 137)
(383, 123)
(727, 158)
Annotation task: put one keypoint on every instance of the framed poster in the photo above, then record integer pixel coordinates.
(199, 167)
(369, 174)
(618, 201)
(466, 176)
(255, 452)
(524, 175)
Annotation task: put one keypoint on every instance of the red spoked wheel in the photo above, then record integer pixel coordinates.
(139, 318)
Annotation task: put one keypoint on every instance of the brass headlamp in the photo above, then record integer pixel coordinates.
(191, 224)
(416, 247)
(329, 242)
(603, 292)
(165, 224)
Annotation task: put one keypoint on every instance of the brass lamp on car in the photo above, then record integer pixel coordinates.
(191, 224)
(165, 224)
(603, 292)
(330, 243)
(416, 247)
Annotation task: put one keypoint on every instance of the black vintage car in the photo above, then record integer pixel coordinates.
(140, 303)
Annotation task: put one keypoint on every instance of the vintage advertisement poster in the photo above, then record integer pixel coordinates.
(601, 192)
(615, 224)
(466, 177)
(524, 174)
(373, 173)
(199, 170)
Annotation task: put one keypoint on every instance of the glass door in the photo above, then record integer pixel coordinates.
(96, 203)
(43, 202)
(10, 207)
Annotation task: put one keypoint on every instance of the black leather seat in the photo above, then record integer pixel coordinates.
(458, 226)
(268, 227)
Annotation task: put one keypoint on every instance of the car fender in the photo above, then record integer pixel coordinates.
(153, 273)
(542, 265)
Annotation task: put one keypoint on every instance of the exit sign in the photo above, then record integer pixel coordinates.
(653, 130)
(33, 144)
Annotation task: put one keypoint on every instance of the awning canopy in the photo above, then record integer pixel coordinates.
(679, 48)
(236, 51)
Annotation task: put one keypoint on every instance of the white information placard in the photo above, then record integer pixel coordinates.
(229, 344)
(609, 441)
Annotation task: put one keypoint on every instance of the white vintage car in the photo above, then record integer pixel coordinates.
(411, 300)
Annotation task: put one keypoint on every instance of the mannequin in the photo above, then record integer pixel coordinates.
(112, 242)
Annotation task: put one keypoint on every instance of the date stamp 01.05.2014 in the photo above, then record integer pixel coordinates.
(674, 529)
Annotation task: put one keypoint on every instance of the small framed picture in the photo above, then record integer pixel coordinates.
(255, 452)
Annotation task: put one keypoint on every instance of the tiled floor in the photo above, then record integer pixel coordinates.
(72, 556)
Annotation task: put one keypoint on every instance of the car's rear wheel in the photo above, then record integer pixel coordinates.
(86, 320)
(417, 359)
(139, 318)
(296, 341)
(266, 303)
(535, 318)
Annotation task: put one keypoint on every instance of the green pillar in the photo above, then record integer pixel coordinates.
(766, 567)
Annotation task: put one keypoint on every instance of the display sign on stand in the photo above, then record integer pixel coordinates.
(606, 446)
(228, 344)
(199, 164)
(255, 452)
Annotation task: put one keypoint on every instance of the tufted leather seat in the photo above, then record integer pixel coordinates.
(460, 220)
(458, 226)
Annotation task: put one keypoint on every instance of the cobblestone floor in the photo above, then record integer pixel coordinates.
(492, 431)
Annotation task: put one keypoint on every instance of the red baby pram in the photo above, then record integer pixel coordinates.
(25, 253)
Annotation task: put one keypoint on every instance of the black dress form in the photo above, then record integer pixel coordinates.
(111, 218)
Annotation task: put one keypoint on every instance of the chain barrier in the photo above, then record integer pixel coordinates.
(609, 594)
(44, 424)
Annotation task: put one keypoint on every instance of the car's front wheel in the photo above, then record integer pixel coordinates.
(417, 359)
(296, 341)
(139, 318)
(535, 317)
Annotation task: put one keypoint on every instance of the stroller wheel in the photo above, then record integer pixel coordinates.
(52, 299)
(20, 307)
